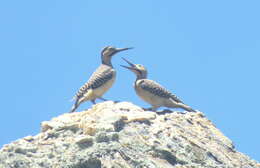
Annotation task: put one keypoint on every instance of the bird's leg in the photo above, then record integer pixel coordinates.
(101, 98)
(154, 108)
(93, 101)
(146, 109)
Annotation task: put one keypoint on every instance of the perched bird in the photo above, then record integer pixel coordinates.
(152, 92)
(100, 81)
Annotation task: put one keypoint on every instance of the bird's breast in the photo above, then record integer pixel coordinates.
(104, 87)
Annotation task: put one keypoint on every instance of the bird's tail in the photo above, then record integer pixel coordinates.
(186, 107)
(74, 107)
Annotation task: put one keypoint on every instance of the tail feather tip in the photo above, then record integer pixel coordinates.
(73, 109)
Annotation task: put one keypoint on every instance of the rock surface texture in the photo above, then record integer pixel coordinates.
(123, 135)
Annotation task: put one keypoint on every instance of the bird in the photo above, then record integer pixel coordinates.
(152, 92)
(100, 81)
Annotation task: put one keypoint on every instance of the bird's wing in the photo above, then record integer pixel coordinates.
(97, 79)
(157, 89)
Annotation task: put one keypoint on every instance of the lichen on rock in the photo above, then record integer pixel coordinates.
(123, 135)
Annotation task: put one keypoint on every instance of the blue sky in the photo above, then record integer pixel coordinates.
(206, 52)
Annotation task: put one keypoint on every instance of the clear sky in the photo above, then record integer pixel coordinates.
(206, 52)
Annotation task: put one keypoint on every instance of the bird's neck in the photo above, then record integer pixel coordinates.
(139, 78)
(106, 60)
(107, 63)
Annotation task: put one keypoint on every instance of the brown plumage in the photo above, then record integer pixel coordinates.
(152, 92)
(100, 81)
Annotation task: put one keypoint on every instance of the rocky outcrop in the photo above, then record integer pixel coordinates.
(123, 135)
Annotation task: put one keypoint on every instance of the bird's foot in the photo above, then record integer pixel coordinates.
(116, 101)
(165, 111)
(182, 112)
(93, 101)
(149, 109)
(101, 98)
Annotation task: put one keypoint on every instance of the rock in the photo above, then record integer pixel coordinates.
(84, 141)
(123, 135)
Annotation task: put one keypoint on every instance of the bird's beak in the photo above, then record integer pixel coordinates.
(123, 49)
(132, 66)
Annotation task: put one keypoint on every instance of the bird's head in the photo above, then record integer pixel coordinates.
(138, 69)
(110, 51)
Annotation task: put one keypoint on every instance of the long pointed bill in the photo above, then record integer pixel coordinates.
(123, 49)
(130, 63)
(132, 66)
